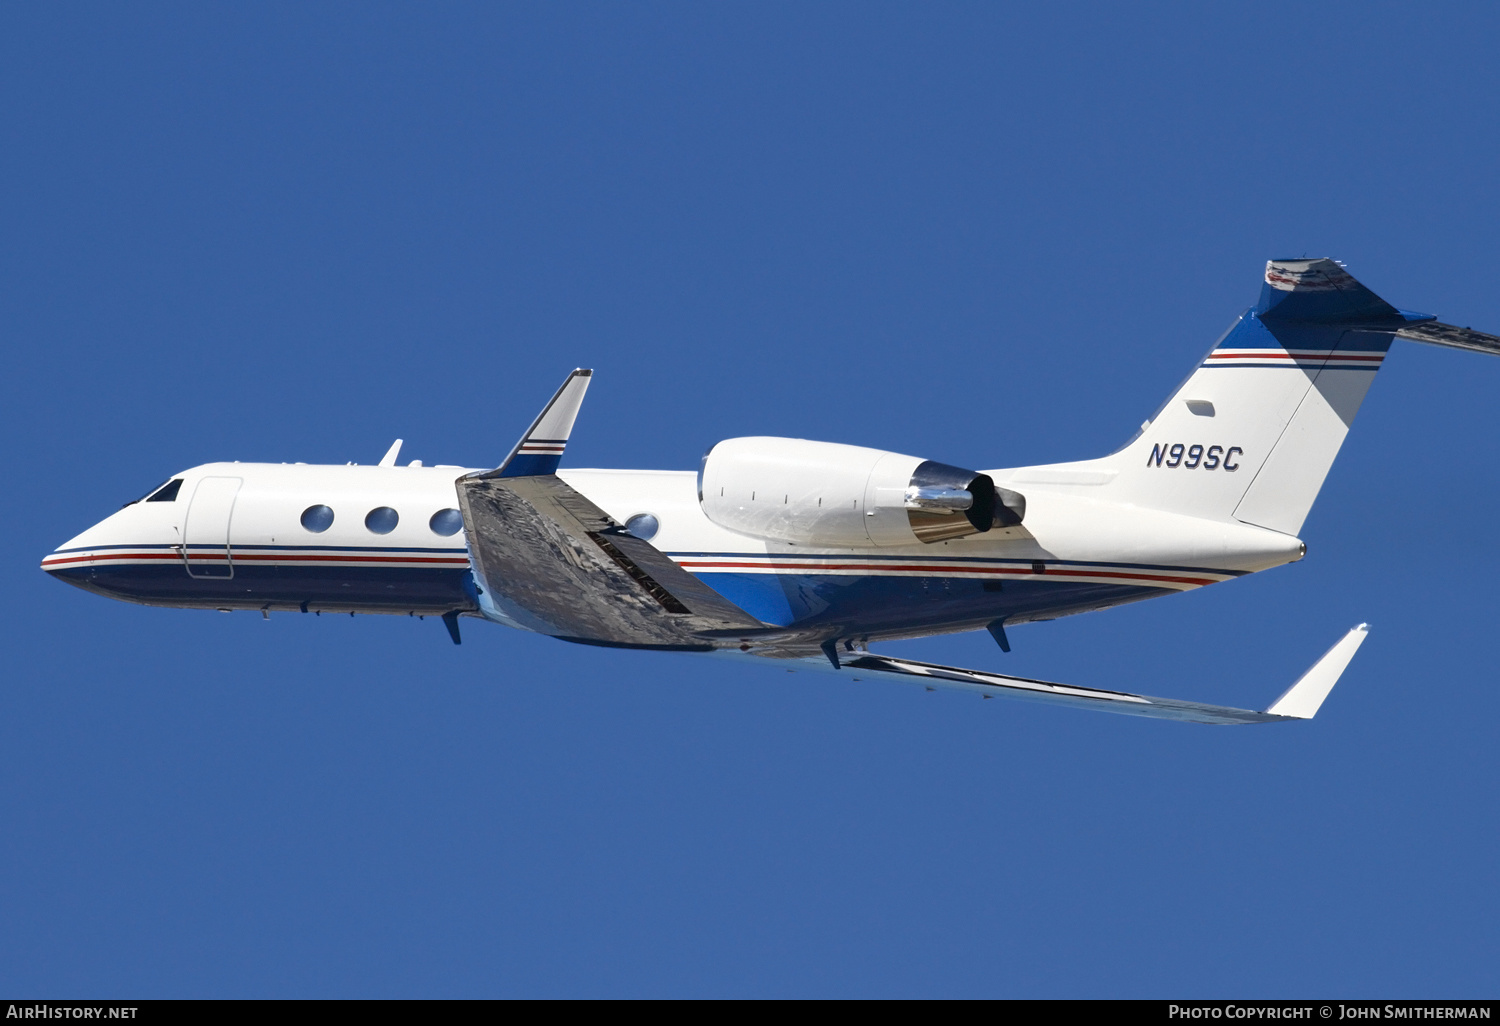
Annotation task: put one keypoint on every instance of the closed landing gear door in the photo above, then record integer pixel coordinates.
(206, 550)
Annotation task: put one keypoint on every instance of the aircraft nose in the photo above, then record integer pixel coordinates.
(64, 555)
(129, 554)
(71, 566)
(74, 559)
(67, 559)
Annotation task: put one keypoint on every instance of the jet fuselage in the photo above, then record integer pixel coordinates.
(253, 536)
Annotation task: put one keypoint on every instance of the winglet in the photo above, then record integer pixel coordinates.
(391, 455)
(540, 449)
(1303, 698)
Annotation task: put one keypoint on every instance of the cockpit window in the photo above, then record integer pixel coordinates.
(161, 493)
(167, 492)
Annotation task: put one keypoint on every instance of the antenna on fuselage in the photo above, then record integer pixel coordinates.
(391, 454)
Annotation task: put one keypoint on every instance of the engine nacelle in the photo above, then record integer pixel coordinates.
(824, 493)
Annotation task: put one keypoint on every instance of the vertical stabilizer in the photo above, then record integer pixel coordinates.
(1251, 434)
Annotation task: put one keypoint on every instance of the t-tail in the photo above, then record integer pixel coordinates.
(1251, 434)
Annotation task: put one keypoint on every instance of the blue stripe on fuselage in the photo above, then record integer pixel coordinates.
(342, 587)
(872, 603)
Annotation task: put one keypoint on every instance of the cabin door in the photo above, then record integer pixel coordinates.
(206, 548)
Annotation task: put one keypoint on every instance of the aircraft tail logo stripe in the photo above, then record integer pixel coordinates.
(1307, 359)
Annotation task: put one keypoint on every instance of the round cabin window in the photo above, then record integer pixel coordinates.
(382, 520)
(317, 519)
(446, 522)
(643, 525)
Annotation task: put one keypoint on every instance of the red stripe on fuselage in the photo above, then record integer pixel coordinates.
(945, 571)
(256, 558)
(936, 571)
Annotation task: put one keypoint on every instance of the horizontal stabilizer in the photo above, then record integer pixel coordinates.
(1299, 703)
(1436, 334)
(540, 449)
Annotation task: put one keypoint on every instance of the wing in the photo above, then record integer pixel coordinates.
(1299, 702)
(547, 559)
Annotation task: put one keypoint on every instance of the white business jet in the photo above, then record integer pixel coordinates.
(797, 551)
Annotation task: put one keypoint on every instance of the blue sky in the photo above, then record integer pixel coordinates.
(984, 235)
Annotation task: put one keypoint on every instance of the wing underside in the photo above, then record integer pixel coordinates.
(552, 561)
(1300, 702)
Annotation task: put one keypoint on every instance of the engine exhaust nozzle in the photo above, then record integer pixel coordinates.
(939, 499)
